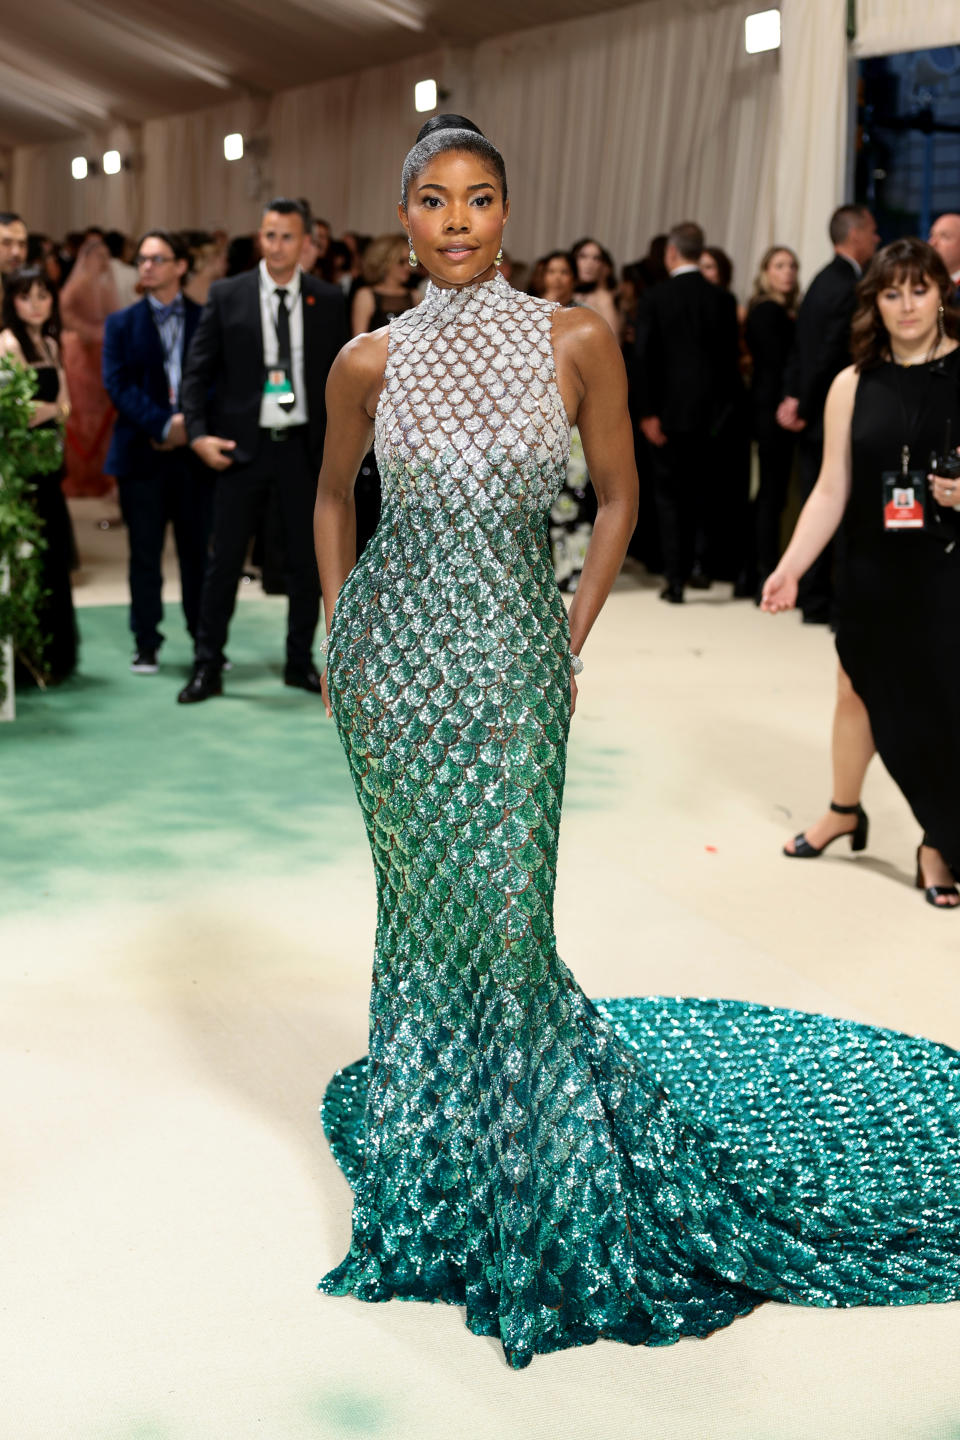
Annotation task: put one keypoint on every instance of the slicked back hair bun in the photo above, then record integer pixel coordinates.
(449, 132)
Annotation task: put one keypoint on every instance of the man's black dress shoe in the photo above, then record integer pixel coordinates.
(699, 579)
(673, 594)
(303, 680)
(204, 682)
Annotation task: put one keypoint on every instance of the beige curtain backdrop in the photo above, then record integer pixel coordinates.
(186, 180)
(43, 191)
(615, 125)
(622, 123)
(811, 163)
(885, 27)
(341, 142)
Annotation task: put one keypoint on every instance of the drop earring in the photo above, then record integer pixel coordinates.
(412, 260)
(941, 327)
(499, 260)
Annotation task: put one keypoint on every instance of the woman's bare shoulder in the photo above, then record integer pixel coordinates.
(10, 345)
(580, 325)
(365, 356)
(584, 336)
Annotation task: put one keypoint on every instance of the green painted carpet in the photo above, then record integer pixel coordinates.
(107, 782)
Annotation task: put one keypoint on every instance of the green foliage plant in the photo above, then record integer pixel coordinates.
(23, 452)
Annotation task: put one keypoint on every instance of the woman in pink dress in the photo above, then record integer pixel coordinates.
(86, 300)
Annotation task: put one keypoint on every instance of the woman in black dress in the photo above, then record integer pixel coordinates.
(385, 295)
(30, 327)
(769, 331)
(887, 416)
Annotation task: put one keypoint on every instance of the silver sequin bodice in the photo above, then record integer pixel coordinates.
(470, 419)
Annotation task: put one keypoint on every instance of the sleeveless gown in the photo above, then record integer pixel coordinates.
(568, 1170)
(899, 594)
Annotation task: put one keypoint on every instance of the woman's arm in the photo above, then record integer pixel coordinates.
(603, 303)
(361, 313)
(821, 516)
(593, 381)
(63, 394)
(40, 410)
(353, 388)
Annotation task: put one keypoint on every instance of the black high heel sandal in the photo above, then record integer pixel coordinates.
(931, 893)
(803, 850)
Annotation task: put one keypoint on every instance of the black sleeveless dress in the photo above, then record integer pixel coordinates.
(57, 617)
(366, 492)
(898, 628)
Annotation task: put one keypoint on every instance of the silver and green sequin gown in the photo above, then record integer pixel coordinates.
(567, 1169)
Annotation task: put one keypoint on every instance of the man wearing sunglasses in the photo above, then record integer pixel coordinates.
(159, 479)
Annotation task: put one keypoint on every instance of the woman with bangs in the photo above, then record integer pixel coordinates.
(892, 418)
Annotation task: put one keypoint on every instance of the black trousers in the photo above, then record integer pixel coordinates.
(815, 592)
(682, 473)
(282, 479)
(775, 448)
(170, 487)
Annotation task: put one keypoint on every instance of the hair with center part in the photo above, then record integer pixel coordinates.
(443, 133)
(18, 286)
(763, 290)
(904, 262)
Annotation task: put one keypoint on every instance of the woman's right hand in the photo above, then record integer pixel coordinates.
(779, 592)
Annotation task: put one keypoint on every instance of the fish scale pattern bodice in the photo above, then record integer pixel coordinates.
(567, 1170)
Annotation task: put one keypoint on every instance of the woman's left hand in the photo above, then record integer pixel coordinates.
(945, 492)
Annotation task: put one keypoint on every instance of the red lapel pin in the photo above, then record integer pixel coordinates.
(311, 299)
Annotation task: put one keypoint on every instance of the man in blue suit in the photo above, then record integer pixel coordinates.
(159, 478)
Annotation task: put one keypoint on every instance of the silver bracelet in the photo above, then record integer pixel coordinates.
(576, 664)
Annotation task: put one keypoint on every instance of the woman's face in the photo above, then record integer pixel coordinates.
(35, 307)
(909, 311)
(781, 272)
(590, 266)
(455, 217)
(709, 268)
(558, 281)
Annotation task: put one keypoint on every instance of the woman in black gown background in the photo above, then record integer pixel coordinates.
(769, 333)
(385, 295)
(30, 330)
(897, 632)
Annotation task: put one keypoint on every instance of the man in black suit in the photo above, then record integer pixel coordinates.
(253, 399)
(686, 379)
(821, 351)
(945, 239)
(158, 477)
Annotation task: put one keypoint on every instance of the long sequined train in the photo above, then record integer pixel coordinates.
(635, 1170)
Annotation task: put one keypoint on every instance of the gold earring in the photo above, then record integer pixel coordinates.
(499, 259)
(412, 260)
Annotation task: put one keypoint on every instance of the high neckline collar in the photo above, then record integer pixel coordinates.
(451, 302)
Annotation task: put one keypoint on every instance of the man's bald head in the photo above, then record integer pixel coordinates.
(945, 239)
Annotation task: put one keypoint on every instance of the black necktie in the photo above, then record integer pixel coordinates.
(284, 352)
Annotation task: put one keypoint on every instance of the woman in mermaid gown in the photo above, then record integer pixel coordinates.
(565, 1169)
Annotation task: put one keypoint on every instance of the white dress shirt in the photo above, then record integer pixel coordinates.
(272, 416)
(685, 270)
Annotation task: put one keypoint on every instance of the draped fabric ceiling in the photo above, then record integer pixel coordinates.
(613, 122)
(68, 64)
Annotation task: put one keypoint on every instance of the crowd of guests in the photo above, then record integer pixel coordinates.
(189, 371)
